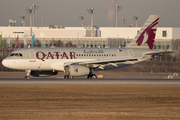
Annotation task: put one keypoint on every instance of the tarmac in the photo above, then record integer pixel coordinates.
(102, 74)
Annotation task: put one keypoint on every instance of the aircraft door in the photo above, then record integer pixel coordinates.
(131, 53)
(32, 55)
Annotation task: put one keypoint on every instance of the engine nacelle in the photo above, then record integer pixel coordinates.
(37, 73)
(76, 70)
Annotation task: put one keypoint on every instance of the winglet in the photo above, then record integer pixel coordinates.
(145, 38)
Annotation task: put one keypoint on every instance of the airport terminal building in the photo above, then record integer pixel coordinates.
(167, 38)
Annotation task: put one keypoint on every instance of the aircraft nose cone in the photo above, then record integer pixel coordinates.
(5, 63)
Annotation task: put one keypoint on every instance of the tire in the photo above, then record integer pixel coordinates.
(65, 76)
(71, 77)
(27, 77)
(94, 76)
(89, 77)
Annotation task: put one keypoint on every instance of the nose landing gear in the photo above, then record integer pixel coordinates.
(27, 74)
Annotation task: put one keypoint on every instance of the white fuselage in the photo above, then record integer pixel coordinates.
(57, 58)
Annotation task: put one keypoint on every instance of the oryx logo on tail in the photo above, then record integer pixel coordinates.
(148, 35)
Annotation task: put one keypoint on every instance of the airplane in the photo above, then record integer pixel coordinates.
(76, 62)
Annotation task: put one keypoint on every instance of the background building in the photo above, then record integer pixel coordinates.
(167, 38)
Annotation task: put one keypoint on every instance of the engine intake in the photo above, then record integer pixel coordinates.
(76, 70)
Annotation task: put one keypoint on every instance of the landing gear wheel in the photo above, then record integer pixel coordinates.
(92, 76)
(68, 77)
(65, 76)
(27, 77)
(71, 77)
(88, 76)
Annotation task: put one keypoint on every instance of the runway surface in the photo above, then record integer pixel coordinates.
(137, 81)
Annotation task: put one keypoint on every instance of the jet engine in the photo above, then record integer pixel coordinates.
(37, 73)
(76, 70)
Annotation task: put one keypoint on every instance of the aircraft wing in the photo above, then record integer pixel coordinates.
(158, 52)
(110, 60)
(100, 63)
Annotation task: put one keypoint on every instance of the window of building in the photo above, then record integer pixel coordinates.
(13, 45)
(167, 46)
(164, 33)
(159, 47)
(155, 47)
(18, 32)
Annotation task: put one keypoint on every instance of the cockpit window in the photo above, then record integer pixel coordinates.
(12, 54)
(16, 54)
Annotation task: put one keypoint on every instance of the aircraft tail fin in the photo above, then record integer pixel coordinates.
(145, 38)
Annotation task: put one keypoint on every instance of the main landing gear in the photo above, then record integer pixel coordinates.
(27, 77)
(92, 76)
(68, 77)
